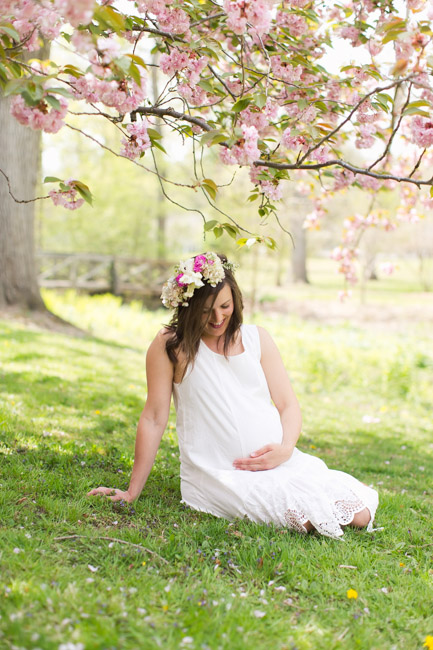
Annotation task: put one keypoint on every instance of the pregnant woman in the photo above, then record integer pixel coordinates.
(238, 419)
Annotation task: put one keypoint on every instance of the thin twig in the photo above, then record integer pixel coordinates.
(114, 539)
(341, 163)
(151, 171)
(38, 198)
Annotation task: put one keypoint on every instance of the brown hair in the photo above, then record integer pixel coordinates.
(186, 326)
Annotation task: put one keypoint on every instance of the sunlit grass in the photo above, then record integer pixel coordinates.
(68, 411)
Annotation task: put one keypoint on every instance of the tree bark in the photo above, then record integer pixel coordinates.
(20, 153)
(299, 251)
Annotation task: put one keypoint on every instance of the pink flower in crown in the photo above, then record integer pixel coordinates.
(199, 263)
(178, 279)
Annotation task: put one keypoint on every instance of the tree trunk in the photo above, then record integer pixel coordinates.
(299, 251)
(20, 152)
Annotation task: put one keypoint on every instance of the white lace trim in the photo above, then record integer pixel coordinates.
(343, 511)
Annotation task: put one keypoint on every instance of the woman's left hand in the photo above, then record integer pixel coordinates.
(266, 457)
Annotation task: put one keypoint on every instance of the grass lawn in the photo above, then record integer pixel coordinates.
(68, 411)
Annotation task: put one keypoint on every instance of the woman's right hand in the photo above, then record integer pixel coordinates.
(112, 494)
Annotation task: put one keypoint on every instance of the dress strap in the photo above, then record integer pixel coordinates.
(251, 340)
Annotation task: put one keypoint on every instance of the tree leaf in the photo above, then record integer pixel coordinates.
(137, 59)
(52, 179)
(84, 191)
(10, 31)
(241, 104)
(210, 182)
(158, 145)
(154, 134)
(218, 231)
(111, 18)
(209, 225)
(53, 102)
(210, 190)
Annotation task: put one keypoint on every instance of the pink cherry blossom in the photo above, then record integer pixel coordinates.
(42, 116)
(68, 198)
(245, 151)
(241, 13)
(138, 140)
(76, 12)
(272, 190)
(296, 24)
(285, 71)
(422, 131)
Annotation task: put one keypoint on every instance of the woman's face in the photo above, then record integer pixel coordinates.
(217, 316)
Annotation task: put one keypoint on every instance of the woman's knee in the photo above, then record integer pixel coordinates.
(361, 519)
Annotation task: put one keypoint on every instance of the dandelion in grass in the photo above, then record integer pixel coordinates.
(352, 593)
(428, 642)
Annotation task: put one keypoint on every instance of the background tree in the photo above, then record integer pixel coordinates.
(253, 82)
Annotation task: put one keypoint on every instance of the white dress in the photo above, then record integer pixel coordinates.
(224, 412)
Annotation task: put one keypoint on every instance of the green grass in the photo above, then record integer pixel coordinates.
(68, 411)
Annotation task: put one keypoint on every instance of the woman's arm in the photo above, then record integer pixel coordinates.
(284, 398)
(152, 423)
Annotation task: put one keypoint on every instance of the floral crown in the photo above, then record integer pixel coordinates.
(190, 275)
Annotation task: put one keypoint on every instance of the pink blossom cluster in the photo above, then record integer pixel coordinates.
(28, 15)
(366, 113)
(314, 218)
(352, 34)
(124, 95)
(369, 182)
(67, 198)
(347, 257)
(295, 24)
(42, 116)
(137, 141)
(194, 95)
(245, 151)
(422, 131)
(200, 262)
(241, 13)
(365, 138)
(321, 155)
(188, 62)
(76, 12)
(272, 189)
(294, 140)
(284, 70)
(171, 19)
(343, 178)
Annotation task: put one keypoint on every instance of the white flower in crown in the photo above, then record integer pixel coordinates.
(191, 274)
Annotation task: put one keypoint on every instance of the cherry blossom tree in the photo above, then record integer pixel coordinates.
(250, 79)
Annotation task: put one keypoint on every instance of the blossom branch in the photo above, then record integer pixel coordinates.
(11, 194)
(345, 165)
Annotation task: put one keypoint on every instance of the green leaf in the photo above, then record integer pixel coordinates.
(231, 230)
(241, 104)
(212, 183)
(218, 231)
(206, 85)
(212, 137)
(210, 190)
(137, 59)
(416, 111)
(14, 87)
(111, 18)
(61, 91)
(54, 102)
(84, 191)
(260, 100)
(159, 146)
(52, 179)
(431, 191)
(154, 134)
(134, 72)
(209, 225)
(10, 31)
(72, 70)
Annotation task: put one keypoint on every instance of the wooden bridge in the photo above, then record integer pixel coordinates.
(92, 273)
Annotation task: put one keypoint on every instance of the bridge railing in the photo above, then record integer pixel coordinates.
(96, 273)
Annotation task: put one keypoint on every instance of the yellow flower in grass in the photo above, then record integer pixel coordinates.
(428, 642)
(352, 593)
